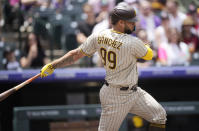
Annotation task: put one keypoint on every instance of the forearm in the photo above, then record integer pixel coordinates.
(65, 60)
(68, 59)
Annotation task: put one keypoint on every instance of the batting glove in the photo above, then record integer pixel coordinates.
(47, 70)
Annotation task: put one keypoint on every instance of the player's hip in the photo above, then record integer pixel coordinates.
(113, 95)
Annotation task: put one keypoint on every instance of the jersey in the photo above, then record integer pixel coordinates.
(119, 53)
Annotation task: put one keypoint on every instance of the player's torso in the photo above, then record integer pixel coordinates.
(115, 50)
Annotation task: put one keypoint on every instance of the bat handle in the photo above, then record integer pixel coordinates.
(26, 82)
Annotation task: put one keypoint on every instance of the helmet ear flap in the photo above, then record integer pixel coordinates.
(134, 28)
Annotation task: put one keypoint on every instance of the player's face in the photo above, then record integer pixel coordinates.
(129, 27)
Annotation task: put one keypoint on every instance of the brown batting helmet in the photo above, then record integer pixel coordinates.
(124, 11)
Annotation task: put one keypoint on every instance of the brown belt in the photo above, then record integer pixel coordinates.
(134, 87)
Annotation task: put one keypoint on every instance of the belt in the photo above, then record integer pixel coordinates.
(134, 87)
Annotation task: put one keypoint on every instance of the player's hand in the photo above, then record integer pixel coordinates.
(147, 44)
(47, 70)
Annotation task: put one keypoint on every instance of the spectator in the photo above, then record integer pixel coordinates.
(85, 29)
(104, 11)
(193, 11)
(188, 37)
(57, 4)
(174, 53)
(97, 4)
(27, 5)
(12, 15)
(31, 3)
(176, 17)
(2, 46)
(148, 20)
(134, 4)
(105, 24)
(2, 22)
(33, 55)
(143, 36)
(196, 19)
(158, 6)
(10, 62)
(161, 32)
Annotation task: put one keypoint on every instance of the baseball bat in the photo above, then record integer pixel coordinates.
(7, 93)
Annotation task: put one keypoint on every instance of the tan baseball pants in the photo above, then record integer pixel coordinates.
(116, 104)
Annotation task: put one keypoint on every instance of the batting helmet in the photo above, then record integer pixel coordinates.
(124, 11)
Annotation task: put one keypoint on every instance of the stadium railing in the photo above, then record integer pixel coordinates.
(23, 115)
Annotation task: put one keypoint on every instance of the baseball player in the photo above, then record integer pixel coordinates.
(119, 52)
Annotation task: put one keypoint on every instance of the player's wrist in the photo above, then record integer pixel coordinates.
(53, 65)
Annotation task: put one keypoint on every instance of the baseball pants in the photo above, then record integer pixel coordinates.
(116, 104)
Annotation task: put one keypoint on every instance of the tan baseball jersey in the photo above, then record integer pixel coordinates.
(119, 53)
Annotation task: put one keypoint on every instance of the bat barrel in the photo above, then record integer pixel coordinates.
(7, 93)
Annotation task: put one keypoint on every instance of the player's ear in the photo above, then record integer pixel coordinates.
(121, 22)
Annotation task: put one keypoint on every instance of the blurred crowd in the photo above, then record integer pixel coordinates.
(171, 27)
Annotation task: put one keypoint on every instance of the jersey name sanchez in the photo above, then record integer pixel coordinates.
(119, 53)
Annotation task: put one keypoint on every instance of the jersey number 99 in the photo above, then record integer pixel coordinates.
(108, 56)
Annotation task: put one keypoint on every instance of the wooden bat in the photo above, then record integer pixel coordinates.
(7, 93)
